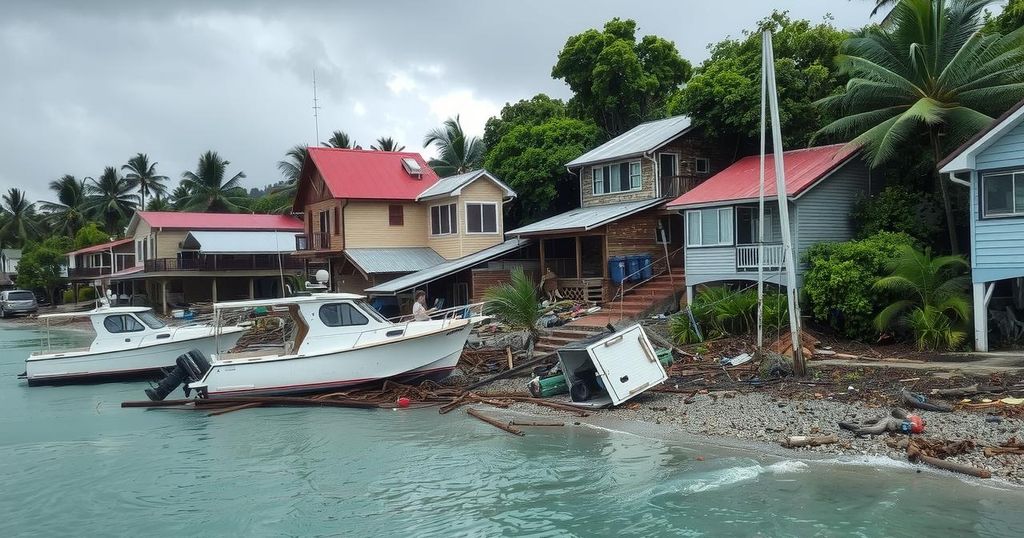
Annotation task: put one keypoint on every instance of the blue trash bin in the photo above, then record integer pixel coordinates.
(617, 269)
(633, 267)
(646, 266)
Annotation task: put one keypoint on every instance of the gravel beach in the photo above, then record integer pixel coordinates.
(769, 417)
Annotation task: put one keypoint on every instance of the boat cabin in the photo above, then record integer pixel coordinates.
(117, 328)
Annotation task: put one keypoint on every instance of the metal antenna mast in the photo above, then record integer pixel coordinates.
(316, 111)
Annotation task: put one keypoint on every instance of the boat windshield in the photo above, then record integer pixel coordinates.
(371, 311)
(149, 318)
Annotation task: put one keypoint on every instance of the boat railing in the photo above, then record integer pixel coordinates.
(447, 314)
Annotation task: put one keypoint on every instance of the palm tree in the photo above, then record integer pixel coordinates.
(291, 169)
(159, 203)
(110, 200)
(514, 303)
(929, 73)
(932, 295)
(19, 223)
(67, 214)
(208, 191)
(338, 139)
(143, 175)
(179, 196)
(457, 153)
(386, 143)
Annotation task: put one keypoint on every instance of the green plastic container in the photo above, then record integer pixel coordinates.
(555, 385)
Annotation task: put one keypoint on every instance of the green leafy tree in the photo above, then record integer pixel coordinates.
(207, 188)
(932, 293)
(274, 203)
(458, 152)
(1010, 19)
(898, 209)
(110, 200)
(533, 111)
(531, 158)
(339, 139)
(90, 234)
(159, 203)
(291, 169)
(41, 263)
(617, 81)
(515, 304)
(179, 196)
(724, 96)
(386, 143)
(19, 223)
(928, 73)
(67, 214)
(142, 174)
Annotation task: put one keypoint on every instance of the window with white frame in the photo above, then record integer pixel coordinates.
(702, 165)
(1003, 194)
(619, 177)
(481, 217)
(709, 227)
(444, 219)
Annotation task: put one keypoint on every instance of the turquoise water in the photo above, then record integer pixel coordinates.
(73, 463)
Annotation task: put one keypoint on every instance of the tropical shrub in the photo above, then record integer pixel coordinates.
(931, 294)
(69, 296)
(86, 294)
(720, 311)
(90, 234)
(898, 209)
(515, 303)
(839, 282)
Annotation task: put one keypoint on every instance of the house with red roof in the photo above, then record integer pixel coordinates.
(372, 216)
(173, 258)
(721, 216)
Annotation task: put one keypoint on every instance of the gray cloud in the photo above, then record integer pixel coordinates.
(88, 84)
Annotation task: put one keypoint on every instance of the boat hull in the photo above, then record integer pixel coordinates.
(293, 374)
(119, 364)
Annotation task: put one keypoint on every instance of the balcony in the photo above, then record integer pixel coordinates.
(674, 186)
(313, 241)
(253, 262)
(746, 257)
(87, 272)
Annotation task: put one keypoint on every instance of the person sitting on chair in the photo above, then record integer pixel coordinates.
(549, 283)
(419, 307)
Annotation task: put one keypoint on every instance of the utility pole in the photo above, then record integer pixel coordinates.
(789, 260)
(316, 111)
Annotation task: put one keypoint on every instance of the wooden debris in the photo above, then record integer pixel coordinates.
(919, 450)
(515, 423)
(1010, 446)
(795, 441)
(495, 422)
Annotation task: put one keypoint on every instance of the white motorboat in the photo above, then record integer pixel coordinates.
(130, 340)
(335, 340)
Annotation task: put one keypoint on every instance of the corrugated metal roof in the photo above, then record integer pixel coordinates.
(393, 260)
(257, 242)
(585, 218)
(642, 138)
(183, 220)
(452, 185)
(365, 174)
(741, 181)
(101, 247)
(442, 270)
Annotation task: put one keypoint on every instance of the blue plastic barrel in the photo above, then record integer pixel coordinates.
(617, 269)
(646, 266)
(633, 267)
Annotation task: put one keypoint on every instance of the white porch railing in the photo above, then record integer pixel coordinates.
(746, 257)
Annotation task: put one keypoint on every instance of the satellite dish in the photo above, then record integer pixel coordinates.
(322, 276)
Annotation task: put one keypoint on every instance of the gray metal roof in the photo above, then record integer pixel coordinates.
(238, 242)
(453, 185)
(585, 218)
(442, 270)
(640, 139)
(393, 260)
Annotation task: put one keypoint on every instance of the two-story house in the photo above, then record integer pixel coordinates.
(624, 185)
(991, 166)
(183, 258)
(722, 214)
(374, 216)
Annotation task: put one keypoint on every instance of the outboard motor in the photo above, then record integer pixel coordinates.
(189, 367)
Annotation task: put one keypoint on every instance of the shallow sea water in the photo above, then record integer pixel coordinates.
(73, 463)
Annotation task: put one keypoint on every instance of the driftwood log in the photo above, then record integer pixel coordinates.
(795, 441)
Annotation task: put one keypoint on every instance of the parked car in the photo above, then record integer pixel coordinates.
(17, 302)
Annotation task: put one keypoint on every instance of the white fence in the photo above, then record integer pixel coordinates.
(746, 257)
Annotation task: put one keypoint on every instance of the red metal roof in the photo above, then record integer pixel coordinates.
(370, 175)
(804, 167)
(219, 221)
(101, 247)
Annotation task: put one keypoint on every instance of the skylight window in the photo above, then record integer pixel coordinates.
(412, 166)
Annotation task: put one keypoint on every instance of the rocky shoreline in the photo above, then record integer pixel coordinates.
(771, 415)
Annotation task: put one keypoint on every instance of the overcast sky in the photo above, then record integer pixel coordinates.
(89, 84)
